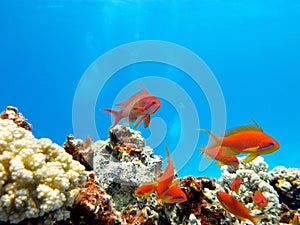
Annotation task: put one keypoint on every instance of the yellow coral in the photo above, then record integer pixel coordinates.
(37, 177)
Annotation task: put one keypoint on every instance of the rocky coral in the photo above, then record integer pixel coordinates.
(37, 177)
(123, 162)
(287, 184)
(80, 151)
(92, 205)
(11, 113)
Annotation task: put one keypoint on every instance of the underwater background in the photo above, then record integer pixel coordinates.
(252, 48)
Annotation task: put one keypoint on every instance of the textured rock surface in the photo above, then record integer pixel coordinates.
(37, 178)
(92, 205)
(123, 162)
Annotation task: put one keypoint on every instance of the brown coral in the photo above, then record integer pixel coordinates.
(77, 149)
(11, 113)
(92, 205)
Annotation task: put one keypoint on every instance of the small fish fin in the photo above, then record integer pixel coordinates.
(168, 155)
(216, 140)
(147, 121)
(140, 120)
(257, 218)
(220, 163)
(250, 150)
(250, 158)
(235, 130)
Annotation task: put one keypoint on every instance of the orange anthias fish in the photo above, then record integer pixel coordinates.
(146, 189)
(245, 139)
(236, 183)
(142, 104)
(167, 177)
(237, 208)
(259, 199)
(217, 153)
(166, 191)
(173, 194)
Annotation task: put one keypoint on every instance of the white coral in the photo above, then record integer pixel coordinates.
(37, 177)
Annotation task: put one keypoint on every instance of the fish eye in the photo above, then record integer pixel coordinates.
(153, 102)
(272, 143)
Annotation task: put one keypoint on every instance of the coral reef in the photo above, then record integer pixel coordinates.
(38, 178)
(43, 183)
(277, 185)
(123, 162)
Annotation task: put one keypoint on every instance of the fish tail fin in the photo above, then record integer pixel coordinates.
(256, 219)
(203, 149)
(117, 115)
(216, 140)
(168, 154)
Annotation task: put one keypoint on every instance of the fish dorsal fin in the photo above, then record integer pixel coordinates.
(253, 126)
(134, 98)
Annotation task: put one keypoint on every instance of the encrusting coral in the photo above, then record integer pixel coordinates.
(37, 177)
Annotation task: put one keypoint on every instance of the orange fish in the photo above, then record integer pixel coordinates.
(237, 208)
(142, 104)
(219, 153)
(245, 139)
(146, 189)
(295, 220)
(167, 177)
(173, 194)
(167, 191)
(259, 199)
(236, 183)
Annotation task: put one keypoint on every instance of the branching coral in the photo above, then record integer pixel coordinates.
(37, 178)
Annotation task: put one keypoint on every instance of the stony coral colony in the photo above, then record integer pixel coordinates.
(87, 182)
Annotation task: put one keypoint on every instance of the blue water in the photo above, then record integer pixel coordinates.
(252, 48)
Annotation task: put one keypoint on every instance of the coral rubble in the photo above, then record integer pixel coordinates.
(37, 177)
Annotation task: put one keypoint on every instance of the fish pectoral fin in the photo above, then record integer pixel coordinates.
(251, 149)
(140, 120)
(250, 158)
(147, 121)
(220, 163)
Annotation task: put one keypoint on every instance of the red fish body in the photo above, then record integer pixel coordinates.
(236, 183)
(245, 139)
(259, 199)
(166, 191)
(237, 208)
(141, 104)
(220, 154)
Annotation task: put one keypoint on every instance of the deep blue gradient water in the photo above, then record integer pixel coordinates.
(252, 48)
